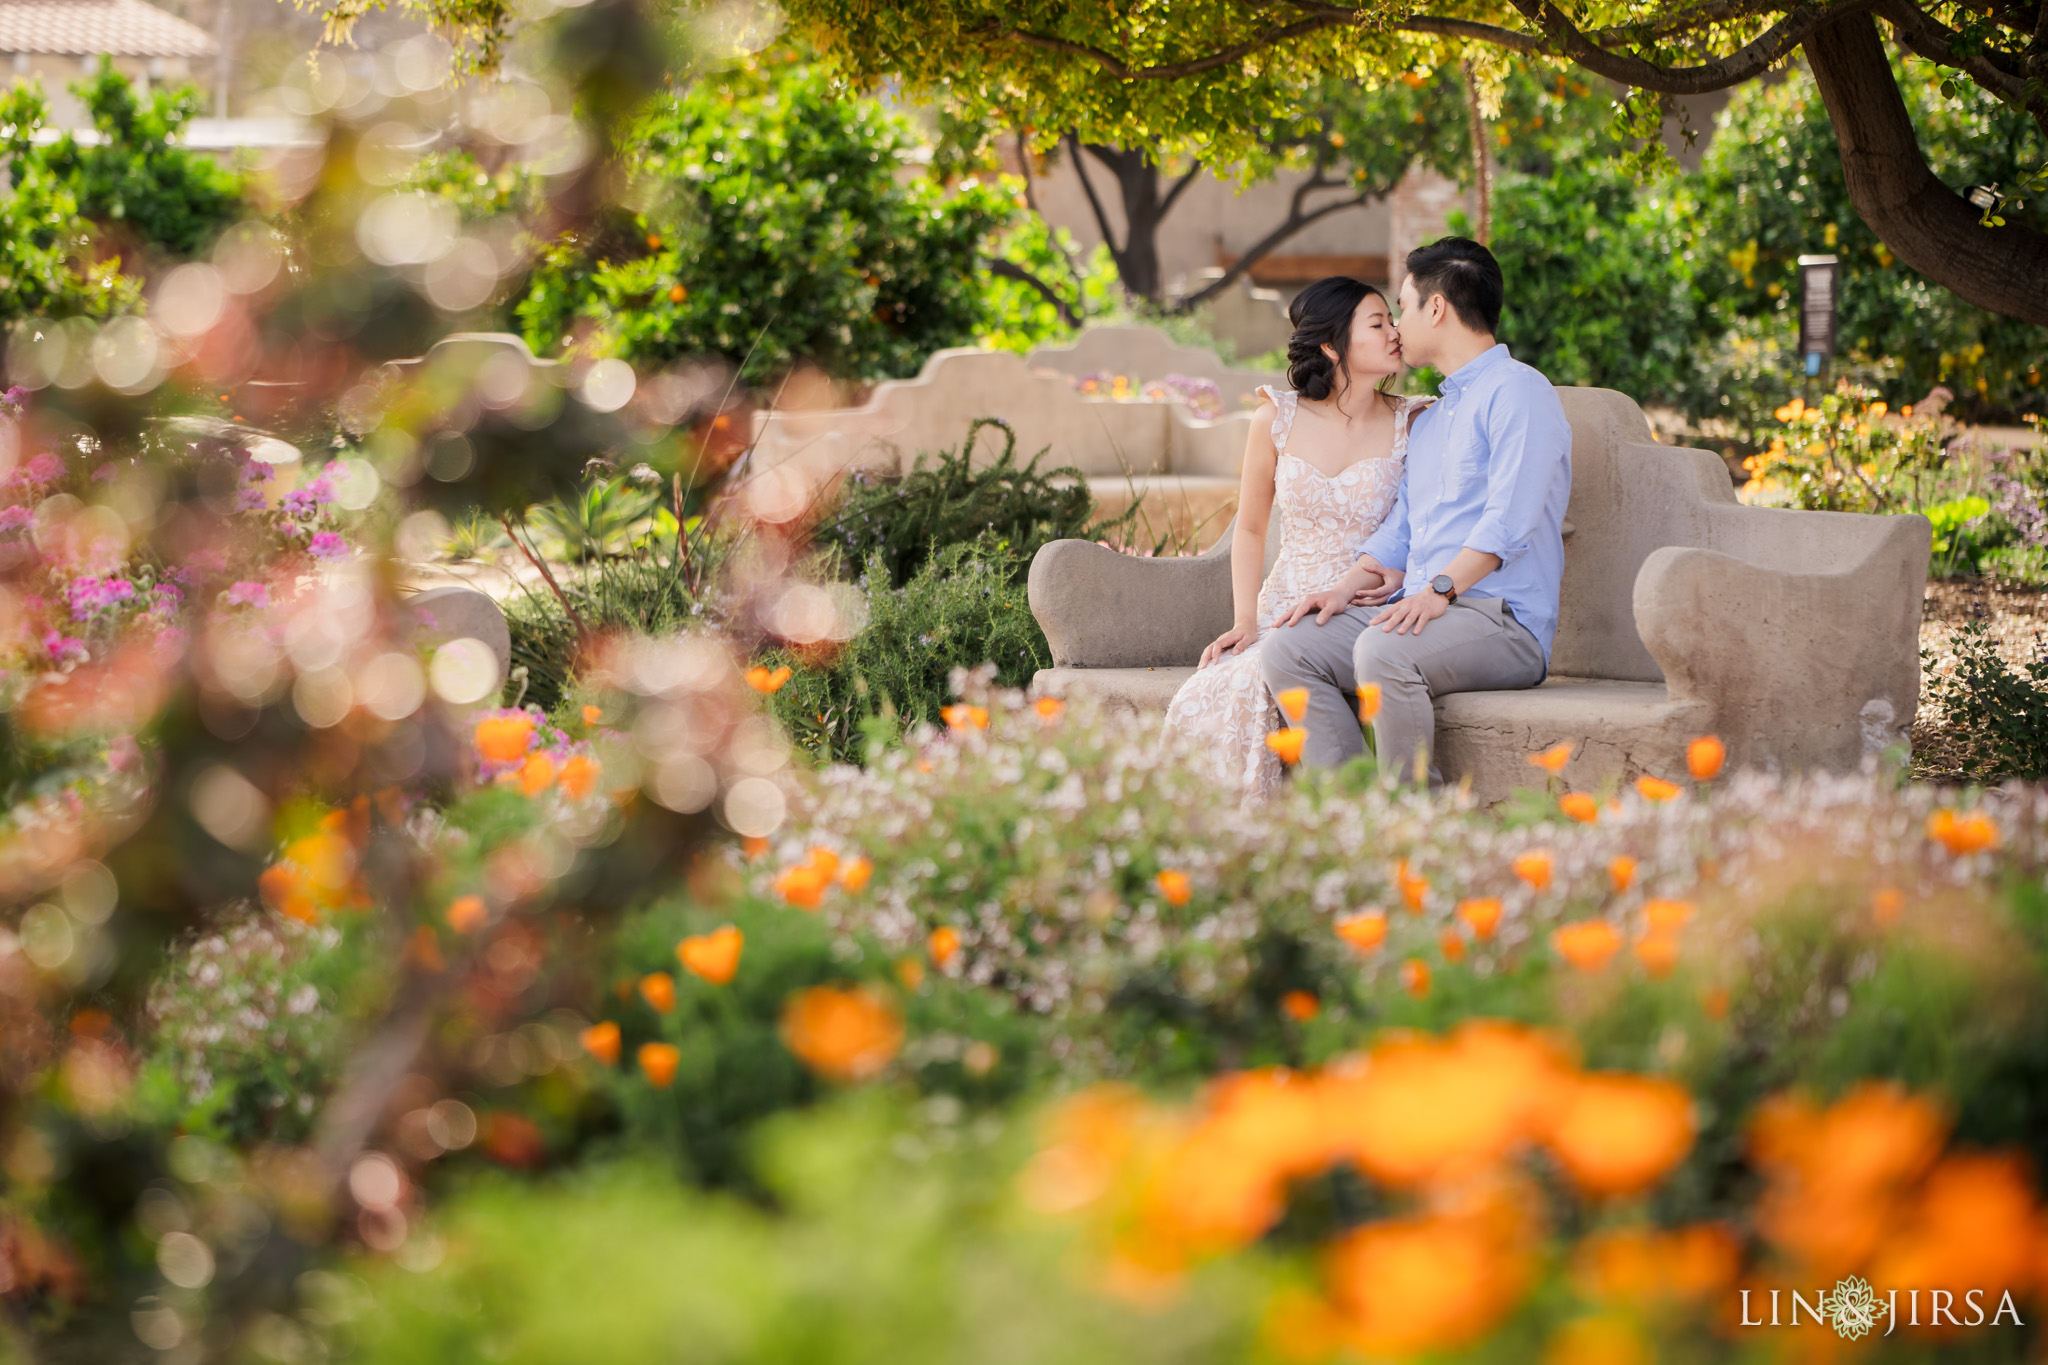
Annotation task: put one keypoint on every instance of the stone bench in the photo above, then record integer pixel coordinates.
(1793, 636)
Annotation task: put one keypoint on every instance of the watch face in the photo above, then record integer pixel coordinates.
(1441, 585)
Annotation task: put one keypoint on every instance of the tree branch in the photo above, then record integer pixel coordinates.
(1747, 62)
(1923, 222)
(1031, 202)
(1997, 72)
(1116, 252)
(1166, 205)
(1170, 71)
(1010, 270)
(1296, 220)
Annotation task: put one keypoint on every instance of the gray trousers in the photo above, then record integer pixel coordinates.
(1475, 646)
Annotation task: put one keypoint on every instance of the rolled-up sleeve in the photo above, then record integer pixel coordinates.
(1389, 544)
(1528, 442)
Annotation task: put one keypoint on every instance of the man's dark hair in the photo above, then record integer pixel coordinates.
(1466, 274)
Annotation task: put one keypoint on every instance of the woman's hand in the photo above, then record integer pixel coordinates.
(1229, 642)
(1359, 587)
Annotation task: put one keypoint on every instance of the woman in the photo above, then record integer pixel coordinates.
(1325, 454)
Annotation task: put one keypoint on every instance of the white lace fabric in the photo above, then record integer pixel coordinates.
(1323, 521)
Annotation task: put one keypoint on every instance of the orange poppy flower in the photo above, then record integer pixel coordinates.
(285, 890)
(911, 973)
(854, 876)
(467, 914)
(504, 739)
(1293, 701)
(1621, 872)
(1452, 943)
(715, 956)
(1580, 807)
(1704, 758)
(768, 681)
(1715, 1002)
(579, 777)
(944, 945)
(1656, 788)
(536, 775)
(1553, 759)
(1415, 977)
(1175, 886)
(592, 714)
(1368, 702)
(753, 846)
(1300, 1006)
(1658, 952)
(803, 885)
(1481, 915)
(676, 293)
(1962, 835)
(602, 1042)
(658, 1062)
(1413, 888)
(844, 1034)
(1619, 1134)
(1665, 916)
(961, 716)
(1588, 944)
(659, 990)
(1287, 743)
(1365, 931)
(1048, 708)
(1887, 903)
(1534, 867)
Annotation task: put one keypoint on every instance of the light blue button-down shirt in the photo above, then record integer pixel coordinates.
(1489, 468)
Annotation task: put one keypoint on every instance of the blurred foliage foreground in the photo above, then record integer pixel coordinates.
(350, 1014)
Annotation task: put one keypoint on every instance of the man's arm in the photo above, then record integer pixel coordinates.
(1528, 441)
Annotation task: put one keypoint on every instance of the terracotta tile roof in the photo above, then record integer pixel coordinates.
(84, 28)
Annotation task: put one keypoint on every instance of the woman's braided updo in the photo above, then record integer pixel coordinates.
(1321, 315)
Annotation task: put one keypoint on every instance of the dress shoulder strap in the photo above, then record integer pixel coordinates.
(1285, 402)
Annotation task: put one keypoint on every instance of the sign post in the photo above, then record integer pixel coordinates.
(1817, 277)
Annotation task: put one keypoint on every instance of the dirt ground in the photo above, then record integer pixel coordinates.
(2018, 621)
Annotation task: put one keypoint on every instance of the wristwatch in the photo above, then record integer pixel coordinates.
(1442, 586)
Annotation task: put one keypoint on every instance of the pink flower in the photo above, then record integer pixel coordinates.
(44, 468)
(328, 545)
(90, 595)
(63, 649)
(105, 473)
(13, 518)
(249, 500)
(247, 594)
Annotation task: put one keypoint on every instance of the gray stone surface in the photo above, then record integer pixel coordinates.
(444, 614)
(1793, 636)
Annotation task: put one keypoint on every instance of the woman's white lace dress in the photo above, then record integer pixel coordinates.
(1322, 523)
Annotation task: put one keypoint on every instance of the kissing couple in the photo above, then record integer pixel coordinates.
(1422, 541)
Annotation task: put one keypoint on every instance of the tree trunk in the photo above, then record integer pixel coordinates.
(1925, 223)
(1137, 185)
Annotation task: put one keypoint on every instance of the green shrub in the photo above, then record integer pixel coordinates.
(964, 608)
(893, 1239)
(904, 521)
(1997, 715)
(775, 228)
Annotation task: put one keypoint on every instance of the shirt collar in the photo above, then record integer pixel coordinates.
(1456, 382)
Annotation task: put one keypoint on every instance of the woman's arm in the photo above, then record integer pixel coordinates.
(1248, 536)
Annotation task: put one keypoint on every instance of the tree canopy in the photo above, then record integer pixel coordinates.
(1212, 76)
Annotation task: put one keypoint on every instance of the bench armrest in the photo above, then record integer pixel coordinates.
(1802, 670)
(1101, 609)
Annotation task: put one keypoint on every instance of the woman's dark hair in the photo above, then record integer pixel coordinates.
(1321, 315)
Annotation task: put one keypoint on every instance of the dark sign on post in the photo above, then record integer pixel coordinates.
(1817, 310)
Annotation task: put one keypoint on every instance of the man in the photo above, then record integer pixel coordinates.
(1469, 560)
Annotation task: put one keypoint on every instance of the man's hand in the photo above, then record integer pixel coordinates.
(1229, 642)
(1416, 611)
(1390, 583)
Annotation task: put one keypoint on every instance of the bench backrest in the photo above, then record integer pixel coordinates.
(1631, 496)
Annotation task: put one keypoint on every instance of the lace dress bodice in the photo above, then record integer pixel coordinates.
(1323, 522)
